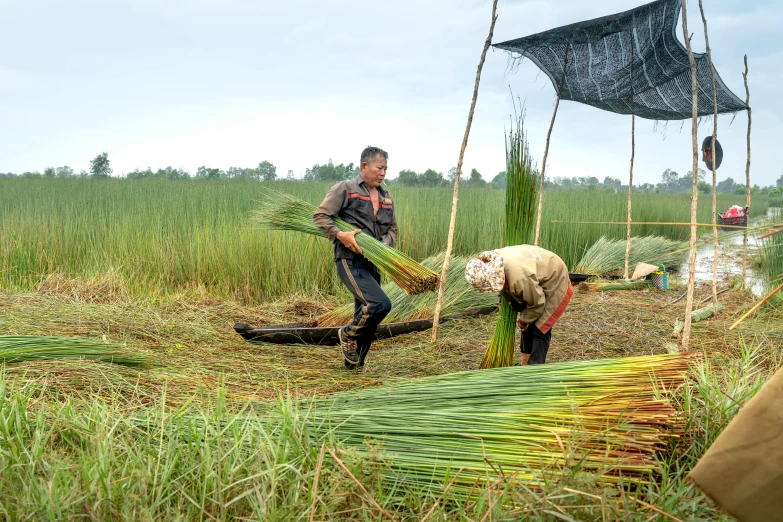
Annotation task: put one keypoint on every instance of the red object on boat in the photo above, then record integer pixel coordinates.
(734, 211)
(736, 216)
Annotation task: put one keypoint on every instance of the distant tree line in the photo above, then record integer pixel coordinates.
(671, 181)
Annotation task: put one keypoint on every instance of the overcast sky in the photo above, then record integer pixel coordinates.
(234, 82)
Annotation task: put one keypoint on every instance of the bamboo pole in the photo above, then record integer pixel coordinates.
(770, 234)
(455, 199)
(543, 172)
(756, 307)
(714, 164)
(747, 176)
(630, 192)
(686, 332)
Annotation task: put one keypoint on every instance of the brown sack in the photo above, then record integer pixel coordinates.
(743, 470)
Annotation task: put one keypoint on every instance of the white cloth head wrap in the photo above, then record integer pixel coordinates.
(486, 273)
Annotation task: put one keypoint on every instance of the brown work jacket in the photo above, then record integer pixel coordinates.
(350, 201)
(537, 284)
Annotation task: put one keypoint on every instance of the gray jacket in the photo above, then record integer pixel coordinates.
(350, 201)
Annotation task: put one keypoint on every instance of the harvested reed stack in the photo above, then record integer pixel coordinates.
(607, 417)
(608, 255)
(282, 211)
(521, 193)
(615, 285)
(701, 314)
(458, 296)
(19, 348)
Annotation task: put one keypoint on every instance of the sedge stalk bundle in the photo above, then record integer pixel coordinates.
(458, 297)
(19, 348)
(608, 255)
(282, 211)
(521, 191)
(500, 352)
(607, 417)
(614, 285)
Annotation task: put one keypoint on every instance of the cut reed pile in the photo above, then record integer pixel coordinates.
(521, 191)
(458, 297)
(608, 255)
(19, 348)
(606, 416)
(282, 211)
(613, 285)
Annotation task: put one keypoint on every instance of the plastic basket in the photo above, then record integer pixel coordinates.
(660, 280)
(736, 221)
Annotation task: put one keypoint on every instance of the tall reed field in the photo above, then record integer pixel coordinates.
(162, 236)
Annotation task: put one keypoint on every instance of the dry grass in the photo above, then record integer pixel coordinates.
(192, 336)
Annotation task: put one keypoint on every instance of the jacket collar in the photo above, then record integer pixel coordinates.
(360, 181)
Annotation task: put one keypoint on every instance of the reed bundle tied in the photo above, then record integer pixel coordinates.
(613, 285)
(19, 348)
(607, 417)
(282, 211)
(521, 191)
(458, 297)
(608, 255)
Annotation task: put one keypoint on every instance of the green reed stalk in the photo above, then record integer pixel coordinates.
(608, 255)
(282, 211)
(615, 285)
(603, 416)
(521, 191)
(19, 348)
(458, 297)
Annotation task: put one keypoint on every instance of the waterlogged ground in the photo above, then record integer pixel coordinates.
(730, 253)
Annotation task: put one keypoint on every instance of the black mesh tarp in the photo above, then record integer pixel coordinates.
(628, 63)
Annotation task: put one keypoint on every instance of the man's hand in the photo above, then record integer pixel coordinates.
(522, 325)
(349, 240)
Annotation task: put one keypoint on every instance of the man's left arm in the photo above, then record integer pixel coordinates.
(390, 237)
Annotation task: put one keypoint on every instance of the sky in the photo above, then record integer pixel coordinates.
(225, 83)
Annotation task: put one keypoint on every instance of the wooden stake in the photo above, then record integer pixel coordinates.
(543, 172)
(714, 165)
(756, 307)
(686, 332)
(747, 175)
(455, 199)
(630, 192)
(770, 234)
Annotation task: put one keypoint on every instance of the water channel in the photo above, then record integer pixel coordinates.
(729, 257)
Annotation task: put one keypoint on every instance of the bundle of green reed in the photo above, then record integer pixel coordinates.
(458, 297)
(464, 430)
(19, 348)
(613, 285)
(282, 211)
(608, 255)
(521, 192)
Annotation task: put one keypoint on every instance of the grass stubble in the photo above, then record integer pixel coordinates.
(80, 438)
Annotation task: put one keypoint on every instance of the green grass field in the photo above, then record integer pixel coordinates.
(160, 236)
(215, 428)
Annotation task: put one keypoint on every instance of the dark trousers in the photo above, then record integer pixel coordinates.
(535, 343)
(371, 305)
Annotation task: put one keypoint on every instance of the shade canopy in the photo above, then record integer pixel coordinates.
(628, 63)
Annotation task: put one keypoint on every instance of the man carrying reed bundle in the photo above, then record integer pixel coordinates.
(535, 283)
(364, 204)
